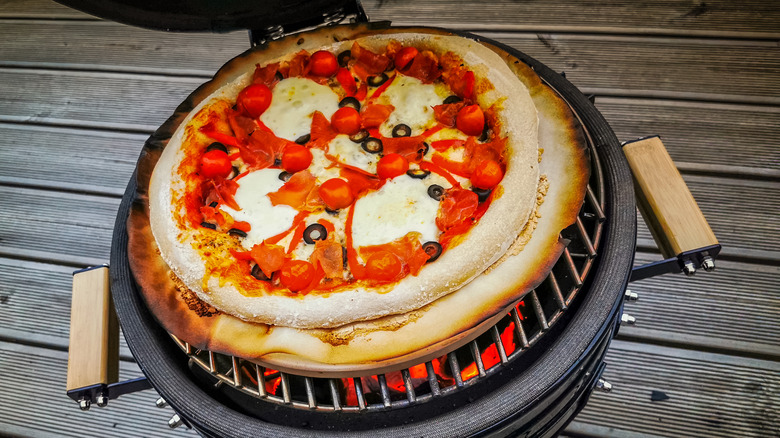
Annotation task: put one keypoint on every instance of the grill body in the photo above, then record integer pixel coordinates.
(535, 395)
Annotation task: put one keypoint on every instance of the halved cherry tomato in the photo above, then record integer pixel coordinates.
(255, 99)
(215, 163)
(383, 266)
(296, 275)
(470, 120)
(336, 193)
(346, 121)
(404, 57)
(487, 175)
(323, 64)
(296, 158)
(391, 165)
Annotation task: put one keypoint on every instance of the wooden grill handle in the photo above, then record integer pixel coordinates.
(93, 354)
(675, 220)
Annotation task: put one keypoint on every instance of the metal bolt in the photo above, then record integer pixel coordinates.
(631, 296)
(102, 401)
(84, 404)
(175, 421)
(708, 264)
(603, 385)
(161, 403)
(689, 268)
(628, 319)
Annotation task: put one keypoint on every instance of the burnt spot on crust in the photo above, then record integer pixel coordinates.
(192, 301)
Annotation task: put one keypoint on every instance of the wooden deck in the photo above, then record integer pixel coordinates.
(80, 95)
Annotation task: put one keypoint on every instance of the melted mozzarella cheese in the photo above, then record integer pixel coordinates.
(401, 206)
(266, 219)
(413, 102)
(293, 102)
(351, 153)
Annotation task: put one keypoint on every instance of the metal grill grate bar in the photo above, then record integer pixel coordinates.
(572, 268)
(453, 360)
(499, 343)
(557, 291)
(477, 358)
(432, 380)
(359, 393)
(595, 204)
(286, 396)
(334, 394)
(384, 390)
(310, 392)
(410, 395)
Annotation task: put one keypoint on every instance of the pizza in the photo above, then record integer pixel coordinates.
(326, 195)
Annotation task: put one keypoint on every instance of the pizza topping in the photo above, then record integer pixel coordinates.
(321, 131)
(487, 175)
(329, 256)
(350, 102)
(424, 67)
(360, 136)
(268, 75)
(384, 266)
(294, 192)
(258, 273)
(402, 130)
(369, 61)
(377, 81)
(415, 100)
(436, 191)
(482, 194)
(346, 121)
(255, 99)
(236, 232)
(457, 207)
(447, 112)
(433, 250)
(391, 165)
(285, 176)
(209, 225)
(418, 173)
(323, 63)
(404, 57)
(296, 158)
(295, 100)
(268, 257)
(314, 232)
(347, 81)
(296, 275)
(372, 145)
(452, 99)
(303, 139)
(215, 164)
(373, 115)
(411, 148)
(218, 146)
(343, 58)
(336, 193)
(471, 120)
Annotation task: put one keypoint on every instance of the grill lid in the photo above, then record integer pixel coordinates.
(220, 16)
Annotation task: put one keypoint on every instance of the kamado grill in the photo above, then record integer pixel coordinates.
(527, 375)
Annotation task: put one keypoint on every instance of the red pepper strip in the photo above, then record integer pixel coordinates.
(453, 167)
(328, 226)
(358, 270)
(241, 255)
(344, 76)
(296, 220)
(227, 140)
(427, 165)
(234, 156)
(337, 163)
(241, 225)
(361, 93)
(443, 145)
(297, 237)
(429, 132)
(262, 126)
(378, 92)
(241, 175)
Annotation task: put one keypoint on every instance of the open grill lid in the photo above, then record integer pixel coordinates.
(220, 16)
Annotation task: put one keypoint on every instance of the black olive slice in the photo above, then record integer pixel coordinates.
(422, 150)
(485, 132)
(234, 172)
(378, 80)
(217, 146)
(435, 191)
(360, 136)
(277, 162)
(344, 58)
(433, 249)
(452, 99)
(285, 176)
(402, 130)
(278, 76)
(303, 139)
(482, 194)
(314, 232)
(331, 212)
(418, 173)
(208, 225)
(350, 102)
(259, 274)
(344, 256)
(213, 204)
(372, 145)
(237, 232)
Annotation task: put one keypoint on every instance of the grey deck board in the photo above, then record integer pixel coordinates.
(43, 410)
(748, 19)
(710, 395)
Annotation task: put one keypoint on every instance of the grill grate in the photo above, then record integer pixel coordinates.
(503, 343)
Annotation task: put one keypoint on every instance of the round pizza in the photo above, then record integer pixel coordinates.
(343, 186)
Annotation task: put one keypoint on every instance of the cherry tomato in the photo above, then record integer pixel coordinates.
(255, 99)
(346, 121)
(383, 266)
(470, 120)
(215, 163)
(297, 274)
(487, 175)
(336, 194)
(391, 165)
(404, 57)
(296, 158)
(323, 64)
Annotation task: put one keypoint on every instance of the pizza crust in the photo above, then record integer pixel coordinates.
(482, 246)
(389, 342)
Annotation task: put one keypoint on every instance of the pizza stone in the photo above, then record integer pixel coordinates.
(506, 270)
